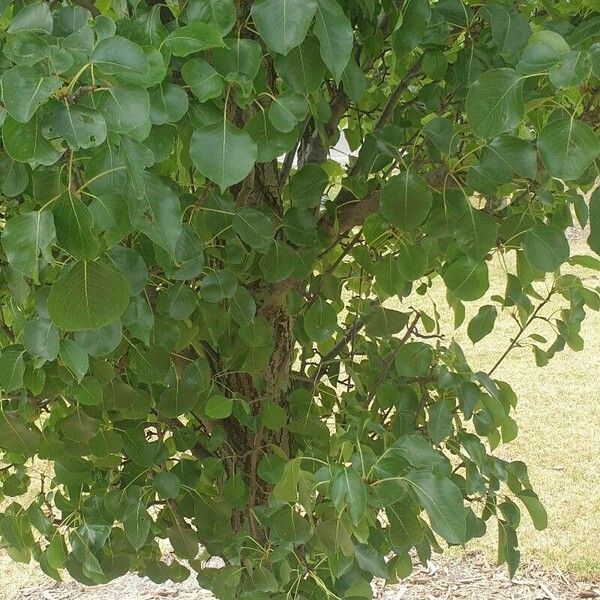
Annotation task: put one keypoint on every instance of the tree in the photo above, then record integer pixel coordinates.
(216, 334)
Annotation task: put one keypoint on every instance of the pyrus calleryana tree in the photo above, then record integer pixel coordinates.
(215, 333)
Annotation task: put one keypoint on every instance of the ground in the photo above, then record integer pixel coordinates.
(559, 438)
(470, 577)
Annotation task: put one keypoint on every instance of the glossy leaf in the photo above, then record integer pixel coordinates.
(223, 153)
(494, 103)
(192, 38)
(283, 24)
(88, 295)
(334, 32)
(24, 91)
(567, 147)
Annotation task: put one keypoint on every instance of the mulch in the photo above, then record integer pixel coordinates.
(470, 577)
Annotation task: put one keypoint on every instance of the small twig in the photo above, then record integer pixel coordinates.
(288, 161)
(390, 361)
(522, 329)
(390, 105)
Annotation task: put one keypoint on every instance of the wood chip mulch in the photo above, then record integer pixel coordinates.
(470, 577)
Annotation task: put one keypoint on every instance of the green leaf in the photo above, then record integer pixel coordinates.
(283, 24)
(538, 57)
(287, 110)
(475, 231)
(119, 56)
(117, 395)
(535, 508)
(24, 91)
(133, 267)
(12, 369)
(56, 553)
(177, 400)
(370, 560)
(405, 200)
(25, 237)
(302, 68)
(286, 489)
(414, 359)
(111, 217)
(494, 103)
(291, 526)
(254, 228)
(348, 489)
(98, 342)
(88, 392)
(594, 237)
(34, 17)
(546, 247)
(434, 64)
(74, 357)
(41, 338)
(279, 262)
(567, 147)
(15, 436)
(179, 301)
(136, 524)
(194, 37)
(574, 68)
(220, 13)
(334, 32)
(240, 57)
(156, 212)
(508, 547)
(168, 104)
(125, 108)
(80, 127)
(272, 416)
(87, 295)
(242, 306)
(223, 153)
(24, 142)
(441, 133)
(320, 321)
(482, 323)
(415, 18)
(509, 154)
(443, 502)
(184, 541)
(385, 322)
(439, 425)
(270, 142)
(14, 177)
(167, 485)
(218, 285)
(307, 186)
(510, 31)
(205, 83)
(405, 528)
(256, 334)
(594, 54)
(75, 228)
(300, 227)
(218, 407)
(466, 278)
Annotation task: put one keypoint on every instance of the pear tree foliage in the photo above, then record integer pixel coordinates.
(212, 332)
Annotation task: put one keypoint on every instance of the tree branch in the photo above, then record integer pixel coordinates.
(522, 329)
(390, 105)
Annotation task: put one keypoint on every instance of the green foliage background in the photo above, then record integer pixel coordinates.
(195, 326)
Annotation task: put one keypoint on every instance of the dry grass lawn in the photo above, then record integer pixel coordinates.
(559, 419)
(559, 432)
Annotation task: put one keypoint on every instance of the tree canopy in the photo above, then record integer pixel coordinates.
(214, 333)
